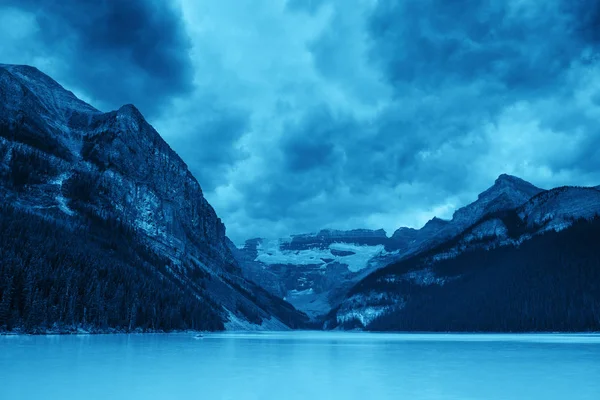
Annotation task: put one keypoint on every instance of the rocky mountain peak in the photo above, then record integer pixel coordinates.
(404, 233)
(130, 111)
(46, 90)
(251, 244)
(436, 222)
(404, 237)
(513, 186)
(506, 178)
(507, 192)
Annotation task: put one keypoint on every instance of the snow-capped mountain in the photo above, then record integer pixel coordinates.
(62, 159)
(499, 226)
(311, 270)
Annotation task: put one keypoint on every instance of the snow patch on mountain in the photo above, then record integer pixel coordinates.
(60, 199)
(270, 253)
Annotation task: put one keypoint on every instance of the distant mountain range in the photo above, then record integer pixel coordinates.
(310, 270)
(363, 279)
(105, 228)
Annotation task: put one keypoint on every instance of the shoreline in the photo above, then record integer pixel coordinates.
(333, 332)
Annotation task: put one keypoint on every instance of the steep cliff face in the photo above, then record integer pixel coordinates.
(153, 188)
(91, 165)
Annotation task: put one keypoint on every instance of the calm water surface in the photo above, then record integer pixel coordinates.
(300, 365)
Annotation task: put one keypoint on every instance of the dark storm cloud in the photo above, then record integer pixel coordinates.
(311, 144)
(207, 140)
(116, 52)
(477, 88)
(519, 46)
(305, 164)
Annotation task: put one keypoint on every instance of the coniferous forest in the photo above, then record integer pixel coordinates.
(94, 277)
(548, 283)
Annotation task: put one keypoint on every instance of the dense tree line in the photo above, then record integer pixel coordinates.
(549, 283)
(29, 167)
(55, 276)
(26, 165)
(32, 132)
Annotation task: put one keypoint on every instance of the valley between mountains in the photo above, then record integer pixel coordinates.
(103, 228)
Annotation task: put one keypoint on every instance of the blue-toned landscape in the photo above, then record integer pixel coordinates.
(299, 199)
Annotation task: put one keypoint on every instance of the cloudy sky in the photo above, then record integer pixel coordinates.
(298, 115)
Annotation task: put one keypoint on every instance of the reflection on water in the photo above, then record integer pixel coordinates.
(300, 365)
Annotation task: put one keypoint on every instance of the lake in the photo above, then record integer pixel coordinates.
(300, 365)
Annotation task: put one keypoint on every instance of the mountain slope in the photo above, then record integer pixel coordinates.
(549, 283)
(506, 249)
(63, 160)
(507, 193)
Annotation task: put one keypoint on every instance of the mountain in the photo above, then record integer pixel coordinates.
(532, 267)
(312, 270)
(507, 193)
(135, 217)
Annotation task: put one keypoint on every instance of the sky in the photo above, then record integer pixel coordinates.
(300, 115)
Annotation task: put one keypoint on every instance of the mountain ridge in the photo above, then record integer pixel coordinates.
(501, 232)
(491, 215)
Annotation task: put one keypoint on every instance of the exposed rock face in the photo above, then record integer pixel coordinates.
(507, 193)
(407, 239)
(558, 207)
(324, 238)
(115, 164)
(312, 270)
(155, 189)
(145, 181)
(257, 271)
